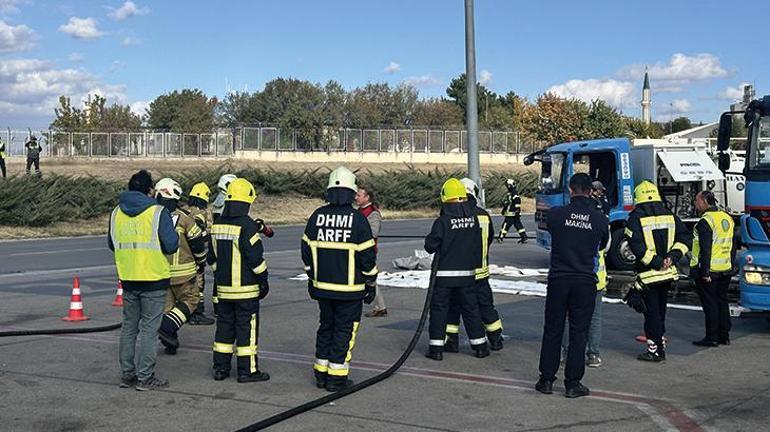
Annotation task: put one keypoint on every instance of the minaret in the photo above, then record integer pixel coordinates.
(646, 101)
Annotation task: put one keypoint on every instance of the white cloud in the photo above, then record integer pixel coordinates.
(392, 68)
(115, 65)
(16, 38)
(31, 87)
(139, 107)
(733, 93)
(128, 10)
(675, 108)
(485, 77)
(76, 57)
(130, 41)
(11, 5)
(616, 93)
(81, 28)
(668, 89)
(422, 81)
(680, 67)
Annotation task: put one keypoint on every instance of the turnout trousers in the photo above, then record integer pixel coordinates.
(573, 298)
(237, 324)
(656, 300)
(489, 316)
(336, 337)
(713, 298)
(181, 301)
(467, 303)
(513, 221)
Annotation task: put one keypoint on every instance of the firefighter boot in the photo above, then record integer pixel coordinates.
(481, 350)
(435, 353)
(320, 379)
(334, 384)
(495, 340)
(452, 344)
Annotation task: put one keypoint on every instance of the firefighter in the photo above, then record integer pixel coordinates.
(338, 253)
(658, 239)
(489, 316)
(512, 213)
(182, 298)
(457, 239)
(216, 211)
(711, 268)
(578, 232)
(197, 205)
(2, 157)
(33, 154)
(240, 272)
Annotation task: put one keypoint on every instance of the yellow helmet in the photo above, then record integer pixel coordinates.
(453, 189)
(201, 190)
(645, 192)
(241, 190)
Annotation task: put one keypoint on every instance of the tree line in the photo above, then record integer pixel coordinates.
(313, 109)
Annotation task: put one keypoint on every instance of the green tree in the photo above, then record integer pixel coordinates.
(677, 125)
(636, 128)
(551, 120)
(238, 109)
(487, 101)
(68, 118)
(439, 113)
(604, 121)
(188, 110)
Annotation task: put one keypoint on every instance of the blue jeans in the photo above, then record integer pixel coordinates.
(142, 315)
(594, 330)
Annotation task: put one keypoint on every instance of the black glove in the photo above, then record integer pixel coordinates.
(371, 292)
(310, 289)
(264, 288)
(635, 300)
(263, 228)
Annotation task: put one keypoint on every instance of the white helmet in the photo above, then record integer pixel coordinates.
(471, 188)
(168, 188)
(344, 178)
(510, 182)
(224, 181)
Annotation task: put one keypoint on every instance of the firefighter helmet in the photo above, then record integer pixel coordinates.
(453, 190)
(241, 190)
(471, 188)
(645, 192)
(224, 181)
(344, 178)
(168, 188)
(201, 190)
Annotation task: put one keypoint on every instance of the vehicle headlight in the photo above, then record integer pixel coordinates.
(756, 275)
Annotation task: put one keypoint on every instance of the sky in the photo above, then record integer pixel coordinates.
(697, 54)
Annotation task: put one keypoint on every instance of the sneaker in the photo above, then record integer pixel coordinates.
(152, 383)
(579, 390)
(255, 377)
(651, 357)
(544, 386)
(375, 313)
(594, 361)
(221, 375)
(200, 319)
(127, 381)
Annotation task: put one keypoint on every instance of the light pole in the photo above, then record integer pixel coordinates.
(472, 113)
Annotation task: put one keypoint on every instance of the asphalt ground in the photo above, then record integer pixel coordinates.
(69, 383)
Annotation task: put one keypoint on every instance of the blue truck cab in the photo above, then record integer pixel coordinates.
(606, 160)
(754, 261)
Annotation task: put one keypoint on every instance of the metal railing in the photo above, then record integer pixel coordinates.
(223, 143)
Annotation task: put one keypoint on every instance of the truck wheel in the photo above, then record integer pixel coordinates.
(619, 257)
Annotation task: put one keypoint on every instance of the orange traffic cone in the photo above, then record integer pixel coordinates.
(76, 304)
(118, 302)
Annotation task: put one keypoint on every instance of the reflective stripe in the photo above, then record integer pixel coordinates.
(452, 328)
(601, 273)
(479, 341)
(352, 343)
(223, 348)
(628, 233)
(321, 365)
(352, 248)
(260, 268)
(338, 245)
(253, 343)
(648, 257)
(656, 276)
(455, 273)
(254, 239)
(337, 369)
(183, 269)
(338, 287)
(495, 326)
(436, 342)
(371, 272)
(483, 271)
(681, 247)
(237, 293)
(243, 351)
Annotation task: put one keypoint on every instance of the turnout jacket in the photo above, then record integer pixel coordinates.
(487, 237)
(511, 204)
(579, 231)
(654, 233)
(237, 257)
(192, 247)
(338, 252)
(456, 236)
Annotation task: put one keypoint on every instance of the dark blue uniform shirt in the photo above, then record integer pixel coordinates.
(578, 230)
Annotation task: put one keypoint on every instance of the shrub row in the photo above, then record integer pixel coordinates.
(32, 201)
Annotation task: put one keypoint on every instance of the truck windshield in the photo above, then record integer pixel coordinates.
(551, 178)
(759, 149)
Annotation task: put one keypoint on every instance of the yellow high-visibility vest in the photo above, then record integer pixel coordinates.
(138, 255)
(722, 227)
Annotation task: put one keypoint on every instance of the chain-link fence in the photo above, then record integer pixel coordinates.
(224, 143)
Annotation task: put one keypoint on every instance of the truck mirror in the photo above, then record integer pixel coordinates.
(528, 160)
(725, 130)
(724, 162)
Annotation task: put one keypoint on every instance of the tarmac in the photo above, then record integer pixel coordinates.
(70, 383)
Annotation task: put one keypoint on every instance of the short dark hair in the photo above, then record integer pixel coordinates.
(581, 184)
(709, 197)
(140, 182)
(369, 191)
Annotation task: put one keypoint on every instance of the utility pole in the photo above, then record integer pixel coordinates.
(472, 112)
